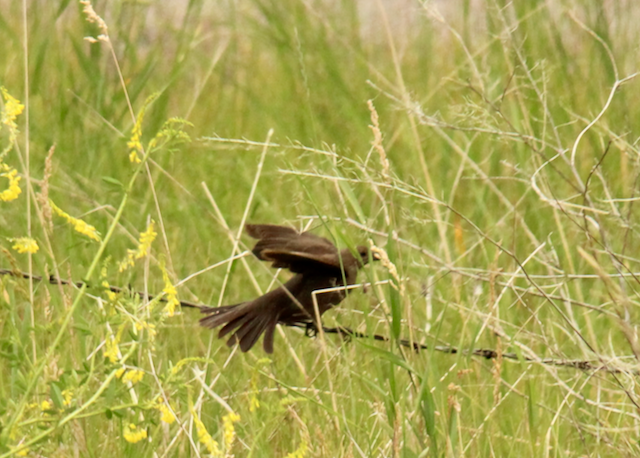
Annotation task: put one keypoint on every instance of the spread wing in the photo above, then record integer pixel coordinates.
(288, 249)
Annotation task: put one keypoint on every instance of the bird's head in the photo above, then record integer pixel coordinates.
(366, 254)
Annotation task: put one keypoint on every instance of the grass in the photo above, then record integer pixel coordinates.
(489, 148)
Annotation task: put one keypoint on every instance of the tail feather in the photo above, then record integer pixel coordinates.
(268, 334)
(246, 322)
(232, 325)
(217, 316)
(251, 331)
(218, 310)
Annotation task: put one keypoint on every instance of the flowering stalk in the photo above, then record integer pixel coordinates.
(81, 292)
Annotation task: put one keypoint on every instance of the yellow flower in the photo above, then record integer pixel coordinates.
(133, 155)
(144, 244)
(170, 291)
(150, 327)
(301, 451)
(133, 376)
(67, 396)
(13, 191)
(175, 369)
(79, 225)
(45, 405)
(23, 452)
(133, 434)
(110, 294)
(167, 416)
(24, 245)
(204, 437)
(135, 143)
(172, 300)
(254, 403)
(228, 429)
(171, 131)
(12, 109)
(111, 349)
(126, 262)
(146, 239)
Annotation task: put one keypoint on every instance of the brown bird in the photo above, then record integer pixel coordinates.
(316, 263)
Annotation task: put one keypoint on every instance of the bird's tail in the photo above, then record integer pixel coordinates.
(246, 322)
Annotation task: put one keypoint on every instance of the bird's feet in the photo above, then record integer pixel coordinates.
(311, 330)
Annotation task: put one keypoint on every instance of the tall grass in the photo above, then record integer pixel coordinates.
(488, 148)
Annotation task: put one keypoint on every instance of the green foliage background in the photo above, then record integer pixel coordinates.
(508, 212)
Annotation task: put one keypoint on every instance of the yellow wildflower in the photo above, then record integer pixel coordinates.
(45, 405)
(23, 451)
(110, 294)
(79, 225)
(67, 396)
(172, 300)
(175, 369)
(12, 109)
(254, 403)
(126, 262)
(120, 371)
(183, 362)
(204, 437)
(111, 349)
(13, 191)
(170, 291)
(24, 245)
(133, 155)
(150, 327)
(167, 415)
(172, 131)
(228, 429)
(133, 376)
(301, 451)
(146, 239)
(135, 143)
(144, 244)
(132, 434)
(105, 284)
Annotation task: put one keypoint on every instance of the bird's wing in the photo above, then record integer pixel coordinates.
(267, 231)
(288, 249)
(302, 262)
(283, 234)
(270, 237)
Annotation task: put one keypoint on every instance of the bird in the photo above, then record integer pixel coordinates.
(316, 264)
